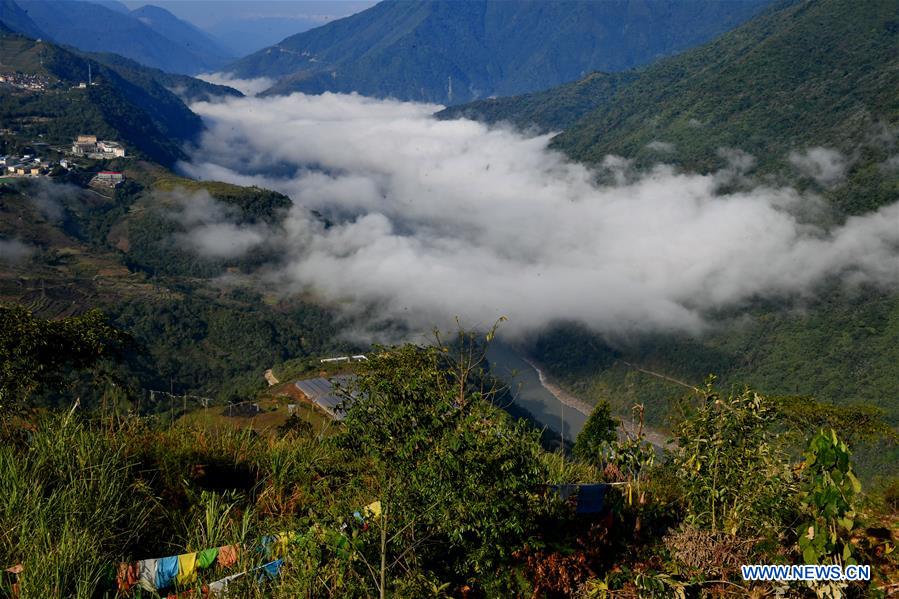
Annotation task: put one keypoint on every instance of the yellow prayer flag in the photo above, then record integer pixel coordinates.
(187, 568)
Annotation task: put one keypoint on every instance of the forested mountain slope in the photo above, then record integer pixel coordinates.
(802, 74)
(820, 73)
(548, 110)
(128, 102)
(189, 89)
(453, 52)
(119, 252)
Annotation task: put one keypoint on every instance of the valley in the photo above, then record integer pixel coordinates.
(470, 299)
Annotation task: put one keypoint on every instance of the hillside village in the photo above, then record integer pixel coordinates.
(84, 147)
(25, 81)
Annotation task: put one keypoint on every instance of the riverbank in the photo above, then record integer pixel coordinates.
(563, 396)
(655, 437)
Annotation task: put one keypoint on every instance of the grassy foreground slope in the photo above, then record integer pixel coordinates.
(464, 501)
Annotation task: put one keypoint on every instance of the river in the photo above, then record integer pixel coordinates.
(549, 404)
(533, 394)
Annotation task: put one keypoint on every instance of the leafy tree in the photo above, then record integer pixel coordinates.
(829, 487)
(728, 462)
(37, 353)
(630, 460)
(598, 430)
(453, 474)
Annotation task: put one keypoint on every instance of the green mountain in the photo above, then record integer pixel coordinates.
(802, 74)
(116, 251)
(128, 102)
(818, 73)
(553, 109)
(453, 52)
(189, 89)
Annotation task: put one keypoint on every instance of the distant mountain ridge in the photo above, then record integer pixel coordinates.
(452, 52)
(150, 35)
(187, 35)
(17, 20)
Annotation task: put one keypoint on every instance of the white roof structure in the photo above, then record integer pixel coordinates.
(322, 392)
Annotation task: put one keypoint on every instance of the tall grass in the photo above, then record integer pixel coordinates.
(68, 505)
(77, 497)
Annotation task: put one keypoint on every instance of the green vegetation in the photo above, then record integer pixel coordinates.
(431, 476)
(189, 89)
(467, 500)
(802, 74)
(728, 465)
(748, 90)
(466, 503)
(548, 110)
(36, 353)
(852, 336)
(129, 103)
(120, 254)
(220, 347)
(599, 430)
(829, 497)
(152, 229)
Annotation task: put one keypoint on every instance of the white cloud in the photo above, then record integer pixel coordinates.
(662, 147)
(826, 166)
(47, 197)
(212, 230)
(435, 219)
(248, 87)
(13, 251)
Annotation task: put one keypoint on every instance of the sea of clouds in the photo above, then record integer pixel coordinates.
(422, 221)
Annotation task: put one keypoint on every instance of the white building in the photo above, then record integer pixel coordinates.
(88, 145)
(111, 147)
(108, 179)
